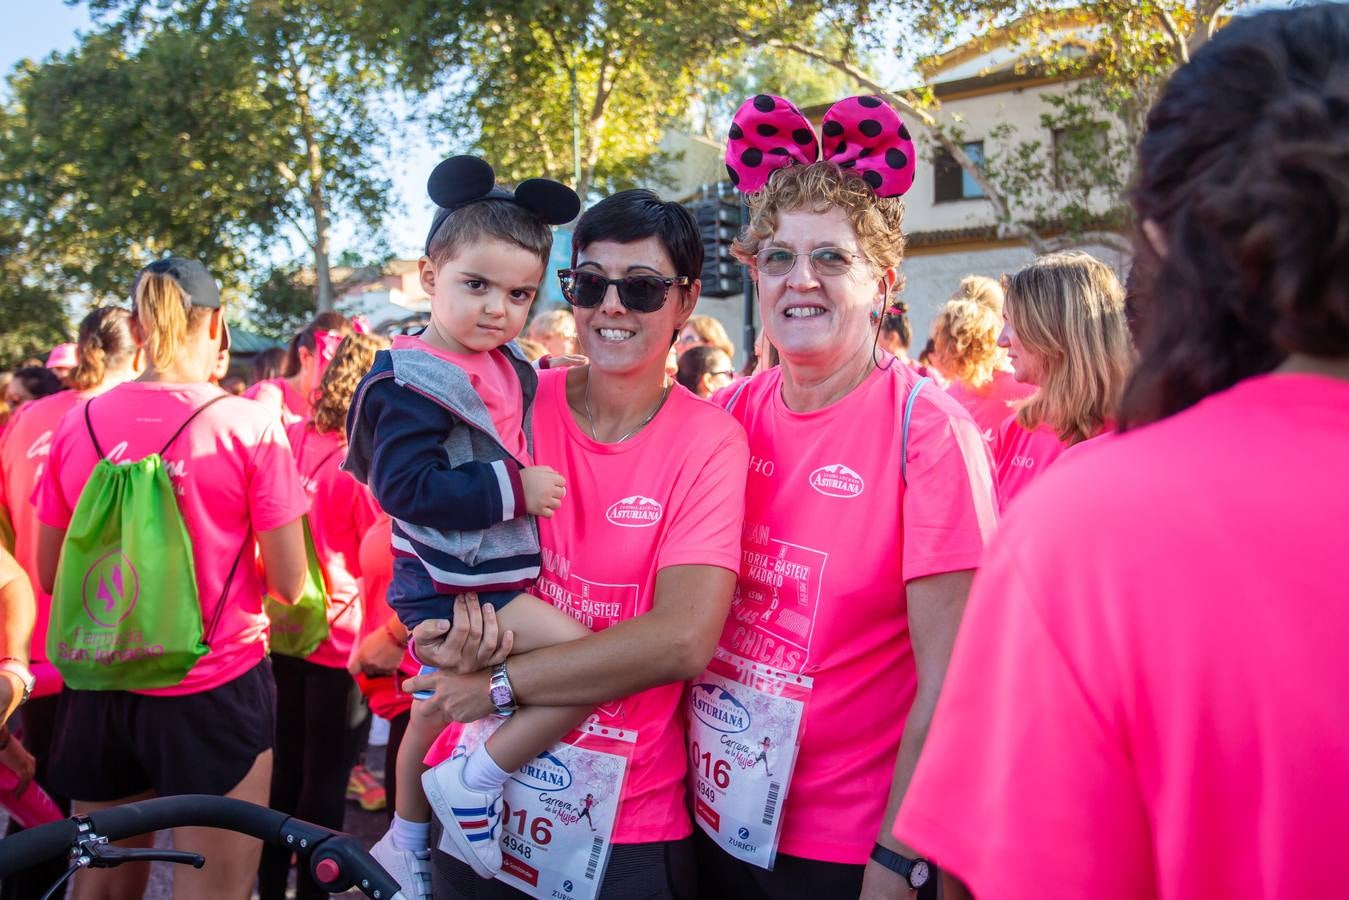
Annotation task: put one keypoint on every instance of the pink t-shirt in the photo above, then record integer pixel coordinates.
(671, 495)
(23, 454)
(494, 379)
(341, 510)
(991, 406)
(384, 694)
(1021, 456)
(1146, 699)
(234, 475)
(283, 400)
(831, 536)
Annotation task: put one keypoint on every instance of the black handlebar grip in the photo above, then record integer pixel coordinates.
(188, 810)
(31, 846)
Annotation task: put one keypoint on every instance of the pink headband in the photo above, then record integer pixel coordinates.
(861, 133)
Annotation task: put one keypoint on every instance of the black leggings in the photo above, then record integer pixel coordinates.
(657, 871)
(310, 765)
(38, 726)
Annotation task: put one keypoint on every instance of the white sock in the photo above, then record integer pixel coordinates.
(482, 774)
(410, 835)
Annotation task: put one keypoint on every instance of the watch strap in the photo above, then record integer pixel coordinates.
(896, 862)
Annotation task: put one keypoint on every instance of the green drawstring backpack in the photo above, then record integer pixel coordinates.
(299, 628)
(125, 612)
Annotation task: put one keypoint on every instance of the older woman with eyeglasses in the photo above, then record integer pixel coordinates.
(867, 507)
(643, 551)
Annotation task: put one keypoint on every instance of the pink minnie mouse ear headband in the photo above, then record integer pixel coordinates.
(462, 180)
(860, 133)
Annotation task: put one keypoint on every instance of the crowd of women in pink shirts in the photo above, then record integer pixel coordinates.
(1057, 611)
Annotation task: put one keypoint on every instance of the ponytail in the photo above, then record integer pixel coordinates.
(104, 341)
(161, 308)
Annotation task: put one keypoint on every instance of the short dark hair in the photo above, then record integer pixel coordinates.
(694, 363)
(637, 214)
(1243, 169)
(503, 220)
(39, 381)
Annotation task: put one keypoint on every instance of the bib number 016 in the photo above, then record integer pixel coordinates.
(539, 830)
(719, 770)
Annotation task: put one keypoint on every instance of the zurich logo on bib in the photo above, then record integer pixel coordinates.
(837, 481)
(634, 512)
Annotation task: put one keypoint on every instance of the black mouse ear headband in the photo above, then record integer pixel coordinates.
(462, 180)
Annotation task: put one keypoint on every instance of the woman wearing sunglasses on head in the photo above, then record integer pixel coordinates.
(868, 503)
(643, 551)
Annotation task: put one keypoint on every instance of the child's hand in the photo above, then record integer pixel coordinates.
(544, 489)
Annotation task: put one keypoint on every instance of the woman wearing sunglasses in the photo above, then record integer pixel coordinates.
(643, 550)
(867, 507)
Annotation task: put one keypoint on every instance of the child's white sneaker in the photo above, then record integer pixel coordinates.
(471, 820)
(410, 868)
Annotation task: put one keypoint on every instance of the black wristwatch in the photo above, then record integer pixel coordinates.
(917, 872)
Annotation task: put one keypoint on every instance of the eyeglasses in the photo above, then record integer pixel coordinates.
(824, 260)
(727, 372)
(639, 293)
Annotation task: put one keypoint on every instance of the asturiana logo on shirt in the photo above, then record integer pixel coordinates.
(634, 512)
(544, 772)
(718, 709)
(836, 481)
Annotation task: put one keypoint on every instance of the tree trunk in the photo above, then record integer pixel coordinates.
(317, 207)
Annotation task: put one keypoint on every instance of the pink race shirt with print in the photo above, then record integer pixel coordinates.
(498, 386)
(234, 475)
(992, 406)
(1155, 709)
(672, 495)
(341, 510)
(283, 400)
(831, 537)
(24, 448)
(1020, 456)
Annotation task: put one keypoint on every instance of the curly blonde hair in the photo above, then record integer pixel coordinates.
(819, 187)
(354, 357)
(965, 340)
(1068, 309)
(982, 290)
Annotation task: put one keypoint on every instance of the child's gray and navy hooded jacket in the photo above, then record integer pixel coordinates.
(420, 436)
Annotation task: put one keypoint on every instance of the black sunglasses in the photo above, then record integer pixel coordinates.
(639, 293)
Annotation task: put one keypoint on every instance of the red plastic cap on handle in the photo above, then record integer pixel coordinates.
(327, 871)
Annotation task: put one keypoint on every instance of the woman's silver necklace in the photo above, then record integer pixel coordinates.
(665, 392)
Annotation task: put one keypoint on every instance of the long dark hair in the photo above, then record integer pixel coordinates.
(1245, 169)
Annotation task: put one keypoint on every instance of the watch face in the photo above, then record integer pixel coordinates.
(919, 874)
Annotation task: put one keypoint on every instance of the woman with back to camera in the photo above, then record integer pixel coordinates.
(1154, 649)
(106, 356)
(313, 687)
(291, 395)
(206, 728)
(868, 503)
(1065, 332)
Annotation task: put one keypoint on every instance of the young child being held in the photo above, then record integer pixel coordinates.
(438, 430)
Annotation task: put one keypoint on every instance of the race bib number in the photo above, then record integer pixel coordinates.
(744, 730)
(558, 811)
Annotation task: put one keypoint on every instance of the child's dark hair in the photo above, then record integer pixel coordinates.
(694, 363)
(324, 321)
(502, 220)
(636, 214)
(1244, 168)
(895, 320)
